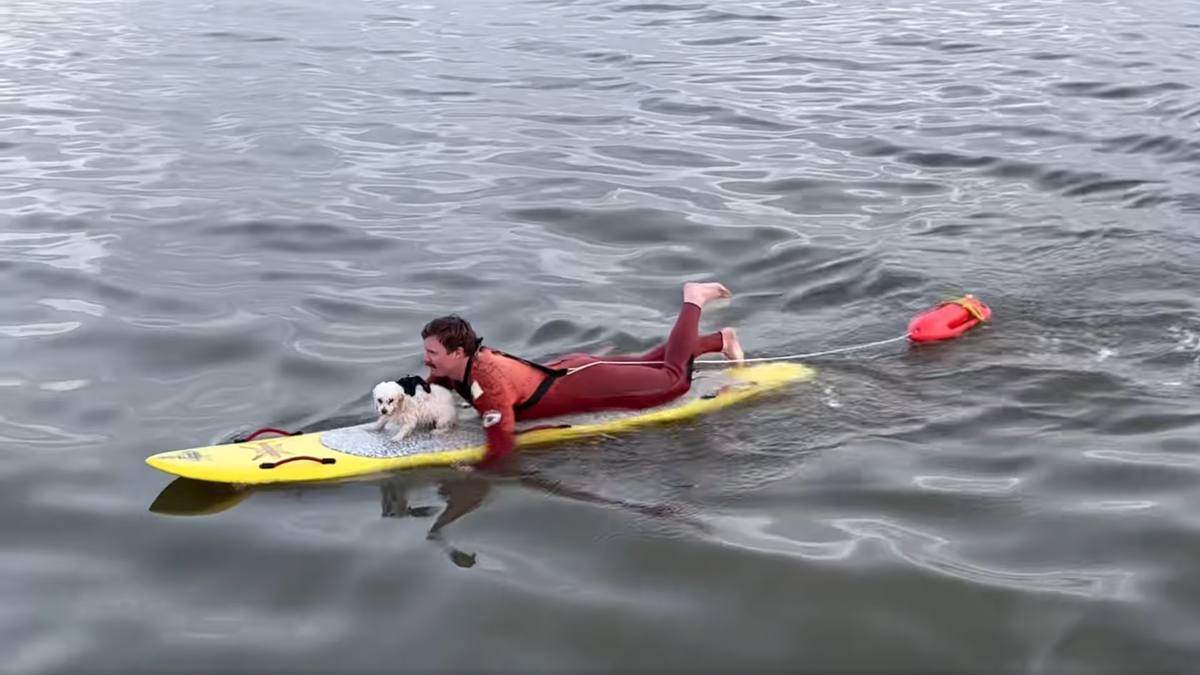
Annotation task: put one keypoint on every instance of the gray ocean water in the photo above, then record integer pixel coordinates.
(218, 216)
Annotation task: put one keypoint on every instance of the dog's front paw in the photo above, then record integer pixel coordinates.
(400, 435)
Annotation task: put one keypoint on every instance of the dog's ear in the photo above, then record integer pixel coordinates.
(410, 383)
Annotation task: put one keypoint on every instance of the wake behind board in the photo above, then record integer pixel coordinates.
(356, 451)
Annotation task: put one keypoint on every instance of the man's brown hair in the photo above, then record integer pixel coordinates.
(453, 332)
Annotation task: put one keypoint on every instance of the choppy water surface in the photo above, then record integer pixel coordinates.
(218, 216)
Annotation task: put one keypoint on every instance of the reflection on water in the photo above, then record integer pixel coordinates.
(460, 492)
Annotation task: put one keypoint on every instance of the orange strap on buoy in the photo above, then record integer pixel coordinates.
(949, 320)
(976, 308)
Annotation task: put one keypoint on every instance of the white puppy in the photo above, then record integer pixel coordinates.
(412, 403)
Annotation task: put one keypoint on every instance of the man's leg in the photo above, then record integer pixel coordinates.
(629, 386)
(724, 341)
(707, 344)
(684, 338)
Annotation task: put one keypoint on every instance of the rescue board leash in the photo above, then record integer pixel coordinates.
(813, 355)
(760, 359)
(947, 320)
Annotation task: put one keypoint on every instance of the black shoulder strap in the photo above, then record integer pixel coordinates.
(553, 372)
(552, 375)
(464, 388)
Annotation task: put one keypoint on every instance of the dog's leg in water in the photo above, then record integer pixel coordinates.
(380, 423)
(404, 431)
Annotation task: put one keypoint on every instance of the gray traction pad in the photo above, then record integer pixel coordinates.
(361, 441)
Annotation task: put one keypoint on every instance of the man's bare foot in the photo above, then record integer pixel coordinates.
(731, 348)
(700, 294)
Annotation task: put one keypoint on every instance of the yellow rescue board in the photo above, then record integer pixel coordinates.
(351, 452)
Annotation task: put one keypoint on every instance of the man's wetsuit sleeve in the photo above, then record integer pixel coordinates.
(494, 402)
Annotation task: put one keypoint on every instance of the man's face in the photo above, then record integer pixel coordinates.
(442, 363)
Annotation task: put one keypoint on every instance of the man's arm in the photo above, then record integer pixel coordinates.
(494, 402)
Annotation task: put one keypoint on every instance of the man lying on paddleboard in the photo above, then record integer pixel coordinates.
(505, 389)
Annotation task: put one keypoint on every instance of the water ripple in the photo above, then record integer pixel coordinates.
(927, 551)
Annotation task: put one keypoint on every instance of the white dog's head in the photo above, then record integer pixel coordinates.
(392, 397)
(389, 398)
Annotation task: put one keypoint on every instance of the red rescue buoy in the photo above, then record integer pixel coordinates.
(949, 320)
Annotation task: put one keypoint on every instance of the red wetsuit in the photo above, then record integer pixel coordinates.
(505, 389)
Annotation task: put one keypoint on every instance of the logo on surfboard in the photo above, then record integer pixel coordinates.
(267, 449)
